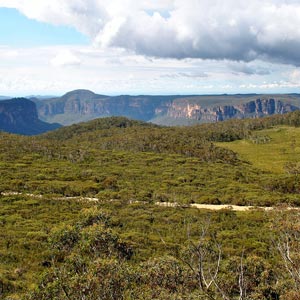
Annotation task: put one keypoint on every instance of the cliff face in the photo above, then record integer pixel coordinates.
(84, 105)
(20, 116)
(253, 109)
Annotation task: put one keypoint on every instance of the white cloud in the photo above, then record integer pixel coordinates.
(249, 68)
(7, 53)
(180, 75)
(26, 71)
(206, 29)
(65, 58)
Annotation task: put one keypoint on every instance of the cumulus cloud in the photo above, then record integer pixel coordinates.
(208, 29)
(65, 58)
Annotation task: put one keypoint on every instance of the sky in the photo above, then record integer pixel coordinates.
(113, 47)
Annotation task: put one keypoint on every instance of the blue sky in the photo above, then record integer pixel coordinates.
(149, 47)
(18, 30)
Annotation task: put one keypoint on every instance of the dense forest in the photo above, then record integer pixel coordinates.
(81, 211)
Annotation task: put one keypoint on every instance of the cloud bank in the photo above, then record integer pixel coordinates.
(208, 29)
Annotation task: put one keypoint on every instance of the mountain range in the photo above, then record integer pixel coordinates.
(83, 105)
(4, 98)
(40, 114)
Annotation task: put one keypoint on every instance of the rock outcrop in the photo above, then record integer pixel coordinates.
(253, 109)
(20, 116)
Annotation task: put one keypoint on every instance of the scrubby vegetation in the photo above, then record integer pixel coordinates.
(80, 221)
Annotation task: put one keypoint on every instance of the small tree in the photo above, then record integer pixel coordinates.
(204, 258)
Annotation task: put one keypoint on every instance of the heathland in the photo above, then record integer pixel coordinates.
(80, 216)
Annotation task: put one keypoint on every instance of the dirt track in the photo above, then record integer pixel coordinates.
(214, 206)
(165, 204)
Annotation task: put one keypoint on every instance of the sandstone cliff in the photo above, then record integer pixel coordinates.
(20, 116)
(252, 109)
(84, 105)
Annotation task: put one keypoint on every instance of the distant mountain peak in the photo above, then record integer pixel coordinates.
(81, 94)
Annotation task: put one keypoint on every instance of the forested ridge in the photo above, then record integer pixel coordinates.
(78, 209)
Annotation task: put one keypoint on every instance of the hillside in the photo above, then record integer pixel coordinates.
(79, 209)
(20, 116)
(276, 149)
(83, 105)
